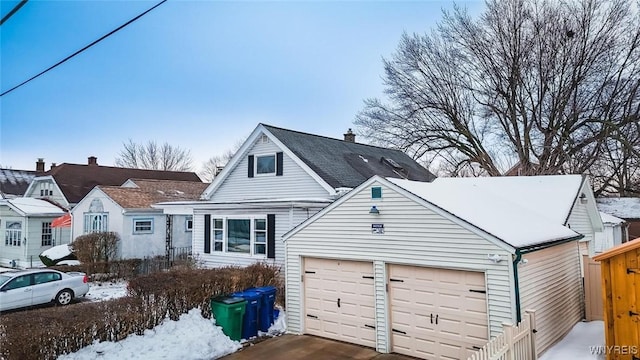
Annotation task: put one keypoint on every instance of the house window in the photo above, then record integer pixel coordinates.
(188, 223)
(260, 231)
(46, 234)
(376, 192)
(240, 235)
(143, 226)
(218, 234)
(13, 233)
(95, 222)
(266, 164)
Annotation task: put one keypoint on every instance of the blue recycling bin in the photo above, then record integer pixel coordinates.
(267, 305)
(251, 314)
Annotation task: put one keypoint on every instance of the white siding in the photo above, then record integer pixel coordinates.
(550, 283)
(413, 234)
(286, 219)
(294, 182)
(137, 246)
(57, 195)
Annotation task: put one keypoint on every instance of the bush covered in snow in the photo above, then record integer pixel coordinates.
(152, 298)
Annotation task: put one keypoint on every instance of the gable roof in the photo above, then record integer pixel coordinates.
(490, 214)
(610, 219)
(149, 192)
(15, 182)
(550, 196)
(627, 208)
(30, 206)
(333, 163)
(345, 164)
(76, 180)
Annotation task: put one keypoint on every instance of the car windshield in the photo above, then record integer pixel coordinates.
(4, 279)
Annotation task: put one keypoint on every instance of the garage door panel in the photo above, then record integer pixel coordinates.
(341, 295)
(423, 292)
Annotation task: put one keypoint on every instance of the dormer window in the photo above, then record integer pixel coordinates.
(266, 164)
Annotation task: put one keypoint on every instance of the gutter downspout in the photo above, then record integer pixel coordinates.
(517, 286)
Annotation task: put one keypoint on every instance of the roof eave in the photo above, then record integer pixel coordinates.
(547, 244)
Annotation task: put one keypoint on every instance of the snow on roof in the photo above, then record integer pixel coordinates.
(624, 208)
(551, 196)
(500, 208)
(610, 219)
(31, 206)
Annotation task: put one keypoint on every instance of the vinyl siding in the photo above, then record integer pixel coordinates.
(294, 182)
(413, 234)
(286, 219)
(57, 196)
(550, 283)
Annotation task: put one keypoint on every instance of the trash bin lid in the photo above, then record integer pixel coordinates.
(248, 294)
(229, 299)
(265, 289)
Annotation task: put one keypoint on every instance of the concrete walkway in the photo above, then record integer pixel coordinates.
(292, 347)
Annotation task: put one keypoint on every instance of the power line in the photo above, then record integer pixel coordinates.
(13, 11)
(84, 48)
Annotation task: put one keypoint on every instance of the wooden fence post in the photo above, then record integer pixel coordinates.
(507, 329)
(531, 314)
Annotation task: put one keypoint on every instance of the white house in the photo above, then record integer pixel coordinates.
(127, 210)
(615, 233)
(432, 270)
(26, 226)
(277, 179)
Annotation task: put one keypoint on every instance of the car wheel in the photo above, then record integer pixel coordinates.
(64, 297)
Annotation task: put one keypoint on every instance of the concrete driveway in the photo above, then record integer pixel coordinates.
(292, 347)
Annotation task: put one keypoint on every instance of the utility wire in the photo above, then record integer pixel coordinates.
(84, 48)
(13, 11)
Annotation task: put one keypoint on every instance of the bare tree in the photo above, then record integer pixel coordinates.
(212, 167)
(545, 84)
(154, 156)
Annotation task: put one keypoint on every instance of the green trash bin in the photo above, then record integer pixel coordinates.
(228, 312)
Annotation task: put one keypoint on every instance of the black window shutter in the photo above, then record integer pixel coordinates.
(250, 165)
(271, 236)
(207, 234)
(279, 164)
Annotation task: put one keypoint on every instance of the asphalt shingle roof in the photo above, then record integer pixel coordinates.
(348, 164)
(15, 182)
(75, 180)
(150, 192)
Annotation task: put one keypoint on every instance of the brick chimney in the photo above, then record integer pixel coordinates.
(92, 160)
(53, 165)
(350, 136)
(40, 165)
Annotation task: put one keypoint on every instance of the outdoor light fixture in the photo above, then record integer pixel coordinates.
(495, 258)
(374, 210)
(583, 198)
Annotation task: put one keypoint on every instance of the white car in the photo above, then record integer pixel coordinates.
(40, 286)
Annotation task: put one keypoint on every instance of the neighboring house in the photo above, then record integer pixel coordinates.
(615, 232)
(433, 270)
(626, 208)
(66, 184)
(127, 210)
(277, 179)
(25, 224)
(14, 183)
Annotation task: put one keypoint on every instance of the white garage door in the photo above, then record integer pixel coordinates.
(437, 313)
(339, 300)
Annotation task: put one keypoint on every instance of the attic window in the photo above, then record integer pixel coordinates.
(376, 192)
(264, 139)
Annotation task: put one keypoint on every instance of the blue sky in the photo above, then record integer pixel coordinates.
(197, 74)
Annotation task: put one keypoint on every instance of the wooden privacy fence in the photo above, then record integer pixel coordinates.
(515, 342)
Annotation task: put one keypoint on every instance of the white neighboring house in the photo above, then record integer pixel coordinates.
(277, 179)
(25, 224)
(432, 270)
(127, 210)
(615, 233)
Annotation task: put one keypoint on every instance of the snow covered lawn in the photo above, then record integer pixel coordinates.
(101, 291)
(579, 343)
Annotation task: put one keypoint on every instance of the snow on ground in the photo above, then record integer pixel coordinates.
(101, 291)
(582, 342)
(192, 337)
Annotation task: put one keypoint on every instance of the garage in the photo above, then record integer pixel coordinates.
(436, 313)
(435, 270)
(339, 300)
